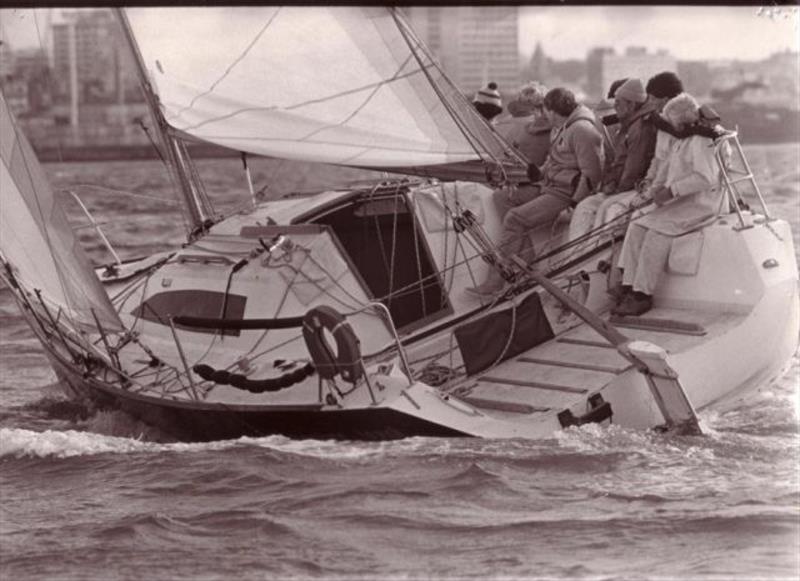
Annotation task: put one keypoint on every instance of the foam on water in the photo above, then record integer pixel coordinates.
(22, 443)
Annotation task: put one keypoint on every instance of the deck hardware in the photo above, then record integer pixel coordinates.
(533, 384)
(770, 263)
(599, 411)
(659, 325)
(204, 259)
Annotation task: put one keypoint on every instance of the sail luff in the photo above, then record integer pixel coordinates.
(36, 239)
(473, 126)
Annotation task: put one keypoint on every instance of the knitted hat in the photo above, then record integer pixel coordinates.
(632, 90)
(488, 95)
(665, 85)
(614, 86)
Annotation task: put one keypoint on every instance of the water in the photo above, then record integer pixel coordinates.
(98, 495)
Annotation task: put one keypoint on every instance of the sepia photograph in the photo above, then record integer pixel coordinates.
(400, 292)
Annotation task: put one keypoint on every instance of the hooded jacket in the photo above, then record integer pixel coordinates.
(691, 173)
(574, 165)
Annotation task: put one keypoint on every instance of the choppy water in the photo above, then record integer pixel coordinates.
(100, 496)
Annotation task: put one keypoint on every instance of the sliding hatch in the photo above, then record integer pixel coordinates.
(384, 242)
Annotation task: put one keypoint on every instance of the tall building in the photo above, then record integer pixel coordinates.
(474, 44)
(538, 68)
(604, 66)
(33, 68)
(6, 59)
(103, 66)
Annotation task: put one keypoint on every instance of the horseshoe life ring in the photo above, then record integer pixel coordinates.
(346, 360)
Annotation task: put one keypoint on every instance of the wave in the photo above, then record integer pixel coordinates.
(23, 443)
(207, 524)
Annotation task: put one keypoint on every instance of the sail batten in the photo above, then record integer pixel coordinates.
(36, 238)
(339, 85)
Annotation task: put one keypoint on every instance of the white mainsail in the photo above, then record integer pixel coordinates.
(337, 85)
(36, 239)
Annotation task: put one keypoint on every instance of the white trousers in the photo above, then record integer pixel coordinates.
(594, 211)
(643, 257)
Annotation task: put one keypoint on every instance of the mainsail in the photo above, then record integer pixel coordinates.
(339, 85)
(36, 239)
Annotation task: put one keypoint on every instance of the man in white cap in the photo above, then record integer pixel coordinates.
(635, 146)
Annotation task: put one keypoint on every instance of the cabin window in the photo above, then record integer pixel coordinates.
(192, 303)
(388, 249)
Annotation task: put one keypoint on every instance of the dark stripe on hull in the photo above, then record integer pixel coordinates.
(193, 422)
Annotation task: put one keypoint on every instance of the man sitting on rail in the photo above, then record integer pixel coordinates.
(687, 195)
(571, 172)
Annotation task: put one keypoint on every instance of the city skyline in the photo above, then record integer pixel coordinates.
(687, 32)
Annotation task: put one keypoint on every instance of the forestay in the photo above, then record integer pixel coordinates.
(337, 85)
(36, 238)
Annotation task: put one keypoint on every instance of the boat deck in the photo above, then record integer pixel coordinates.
(579, 361)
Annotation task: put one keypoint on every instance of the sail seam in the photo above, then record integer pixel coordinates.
(367, 99)
(235, 62)
(340, 144)
(370, 86)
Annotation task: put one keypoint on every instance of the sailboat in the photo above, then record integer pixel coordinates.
(343, 314)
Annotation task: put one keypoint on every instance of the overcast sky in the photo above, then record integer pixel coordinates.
(688, 32)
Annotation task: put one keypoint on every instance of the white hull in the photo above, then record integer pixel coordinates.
(744, 345)
(711, 327)
(345, 314)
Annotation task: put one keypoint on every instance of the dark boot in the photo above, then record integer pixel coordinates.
(619, 292)
(633, 305)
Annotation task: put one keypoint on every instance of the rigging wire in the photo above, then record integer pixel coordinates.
(50, 80)
(471, 137)
(18, 137)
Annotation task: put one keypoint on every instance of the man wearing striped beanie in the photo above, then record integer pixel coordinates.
(487, 101)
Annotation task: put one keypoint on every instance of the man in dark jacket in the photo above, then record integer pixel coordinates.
(572, 171)
(635, 146)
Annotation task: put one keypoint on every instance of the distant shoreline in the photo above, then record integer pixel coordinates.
(197, 151)
(122, 153)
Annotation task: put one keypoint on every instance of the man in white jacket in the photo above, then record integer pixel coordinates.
(687, 196)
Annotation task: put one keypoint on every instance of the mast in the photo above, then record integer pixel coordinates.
(177, 157)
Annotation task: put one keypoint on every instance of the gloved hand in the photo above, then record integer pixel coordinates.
(662, 195)
(534, 173)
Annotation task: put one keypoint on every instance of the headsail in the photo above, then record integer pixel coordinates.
(340, 85)
(36, 239)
